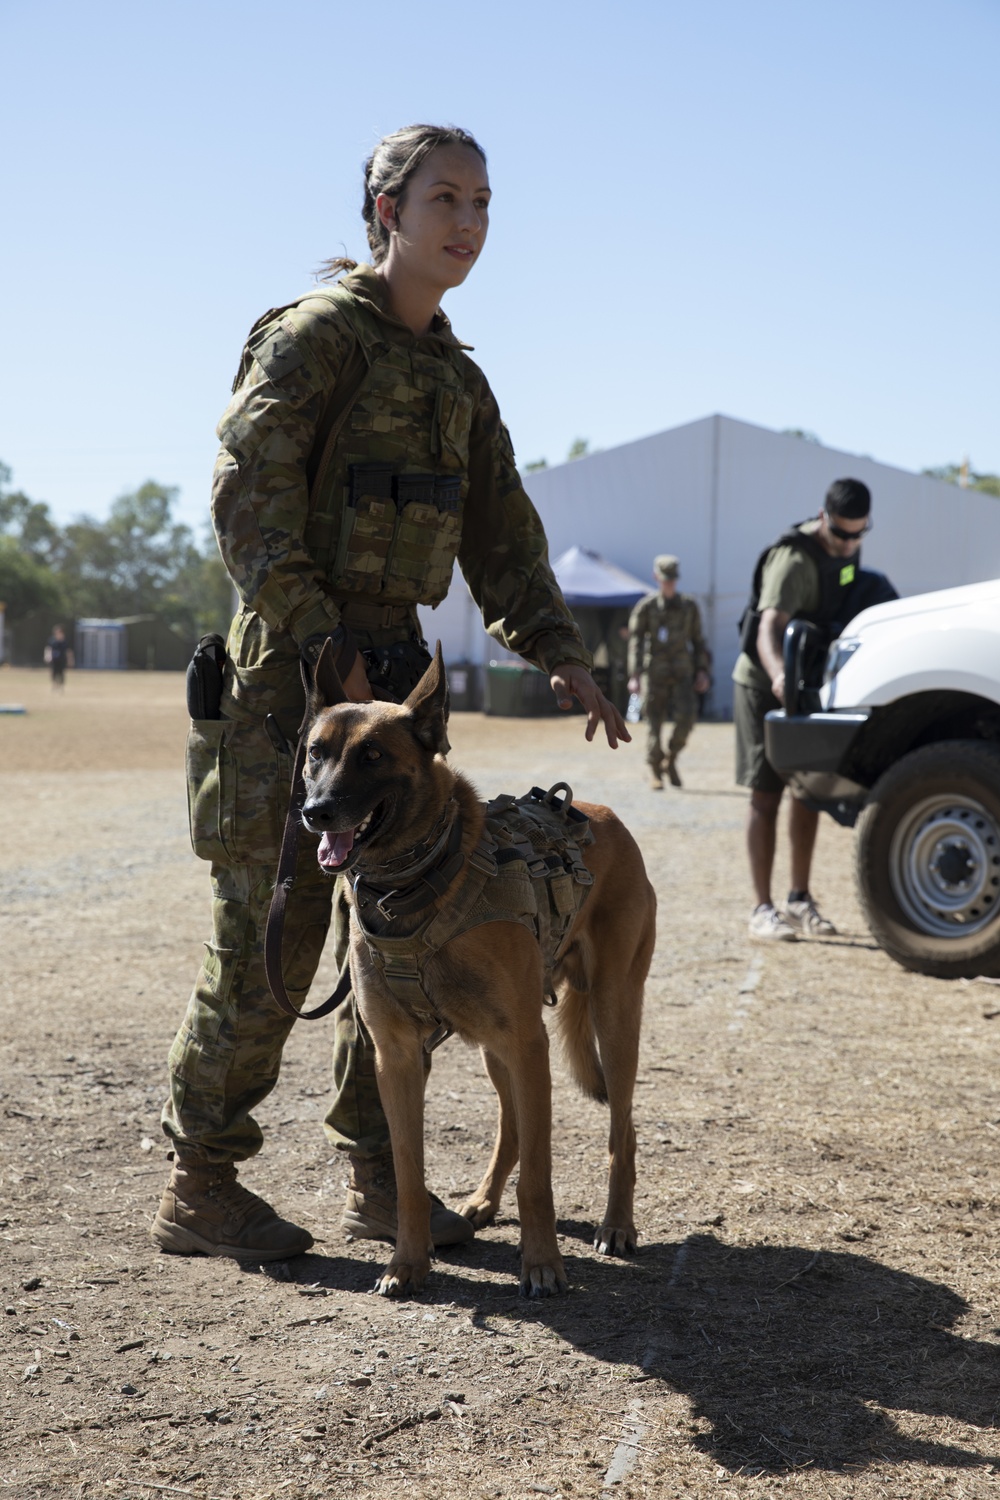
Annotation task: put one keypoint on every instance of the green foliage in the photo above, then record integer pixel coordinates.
(989, 484)
(132, 563)
(578, 448)
(535, 465)
(25, 583)
(800, 432)
(137, 562)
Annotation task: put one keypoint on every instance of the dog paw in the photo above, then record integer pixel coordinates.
(611, 1241)
(543, 1281)
(479, 1213)
(401, 1280)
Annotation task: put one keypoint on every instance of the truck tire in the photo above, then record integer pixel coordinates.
(927, 864)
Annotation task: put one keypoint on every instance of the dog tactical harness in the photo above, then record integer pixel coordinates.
(526, 868)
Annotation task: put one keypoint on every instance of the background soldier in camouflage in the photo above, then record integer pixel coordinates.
(668, 663)
(362, 453)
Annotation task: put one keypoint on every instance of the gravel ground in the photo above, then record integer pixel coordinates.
(815, 1303)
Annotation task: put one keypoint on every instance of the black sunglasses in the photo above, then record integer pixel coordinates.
(847, 536)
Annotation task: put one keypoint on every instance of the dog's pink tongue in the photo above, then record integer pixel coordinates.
(335, 847)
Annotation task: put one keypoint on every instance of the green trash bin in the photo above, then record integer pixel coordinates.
(516, 691)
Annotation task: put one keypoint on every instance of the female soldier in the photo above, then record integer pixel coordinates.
(361, 454)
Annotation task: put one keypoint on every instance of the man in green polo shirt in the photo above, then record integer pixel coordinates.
(806, 575)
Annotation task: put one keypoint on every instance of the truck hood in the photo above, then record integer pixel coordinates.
(978, 598)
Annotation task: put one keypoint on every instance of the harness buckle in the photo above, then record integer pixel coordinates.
(381, 904)
(482, 861)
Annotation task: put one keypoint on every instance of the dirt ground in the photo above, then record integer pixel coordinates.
(815, 1306)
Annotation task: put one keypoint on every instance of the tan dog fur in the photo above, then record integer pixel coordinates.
(487, 983)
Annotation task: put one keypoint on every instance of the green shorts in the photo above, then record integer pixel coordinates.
(753, 769)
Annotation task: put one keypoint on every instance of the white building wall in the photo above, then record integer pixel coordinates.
(716, 492)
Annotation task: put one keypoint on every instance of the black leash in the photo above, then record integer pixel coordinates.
(275, 930)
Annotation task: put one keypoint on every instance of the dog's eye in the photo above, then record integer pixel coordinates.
(315, 753)
(371, 753)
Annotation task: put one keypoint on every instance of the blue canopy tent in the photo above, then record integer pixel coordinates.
(601, 596)
(588, 579)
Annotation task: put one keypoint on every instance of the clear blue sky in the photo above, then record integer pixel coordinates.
(784, 210)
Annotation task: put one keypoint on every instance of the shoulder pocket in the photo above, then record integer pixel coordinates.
(276, 350)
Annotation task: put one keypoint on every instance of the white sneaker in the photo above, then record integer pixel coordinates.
(769, 926)
(803, 917)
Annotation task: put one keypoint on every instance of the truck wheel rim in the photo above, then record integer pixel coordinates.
(944, 866)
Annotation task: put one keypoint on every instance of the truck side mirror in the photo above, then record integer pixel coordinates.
(804, 652)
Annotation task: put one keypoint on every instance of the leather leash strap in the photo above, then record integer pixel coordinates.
(284, 880)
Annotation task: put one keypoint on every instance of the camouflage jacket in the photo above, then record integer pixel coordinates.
(422, 441)
(665, 637)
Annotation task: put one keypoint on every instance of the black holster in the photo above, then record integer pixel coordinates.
(204, 678)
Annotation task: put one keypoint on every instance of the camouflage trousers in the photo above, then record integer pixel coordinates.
(226, 1056)
(664, 701)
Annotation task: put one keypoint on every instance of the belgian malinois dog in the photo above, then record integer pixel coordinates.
(378, 790)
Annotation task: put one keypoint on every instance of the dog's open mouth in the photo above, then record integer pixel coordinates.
(337, 849)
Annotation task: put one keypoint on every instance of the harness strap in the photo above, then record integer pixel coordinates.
(401, 960)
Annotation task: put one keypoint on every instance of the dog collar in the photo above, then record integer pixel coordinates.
(415, 886)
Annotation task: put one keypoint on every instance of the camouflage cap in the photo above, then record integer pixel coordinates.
(666, 566)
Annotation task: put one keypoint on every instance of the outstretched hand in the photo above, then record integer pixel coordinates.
(570, 681)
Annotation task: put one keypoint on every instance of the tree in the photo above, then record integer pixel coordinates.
(535, 465)
(989, 484)
(28, 522)
(137, 562)
(25, 583)
(800, 432)
(578, 448)
(133, 563)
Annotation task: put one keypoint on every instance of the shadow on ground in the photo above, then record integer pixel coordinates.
(790, 1358)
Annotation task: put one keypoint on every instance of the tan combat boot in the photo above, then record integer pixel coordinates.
(370, 1211)
(655, 779)
(205, 1211)
(672, 772)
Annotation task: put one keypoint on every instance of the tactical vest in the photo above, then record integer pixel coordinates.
(388, 479)
(527, 868)
(386, 500)
(836, 578)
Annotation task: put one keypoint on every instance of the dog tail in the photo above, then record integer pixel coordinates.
(575, 1026)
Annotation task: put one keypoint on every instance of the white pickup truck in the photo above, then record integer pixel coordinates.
(901, 737)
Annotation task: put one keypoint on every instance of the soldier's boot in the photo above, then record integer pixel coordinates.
(370, 1211)
(205, 1210)
(673, 774)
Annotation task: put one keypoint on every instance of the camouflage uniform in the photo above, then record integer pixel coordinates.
(353, 523)
(666, 649)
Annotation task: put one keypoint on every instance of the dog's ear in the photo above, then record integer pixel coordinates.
(327, 689)
(428, 706)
